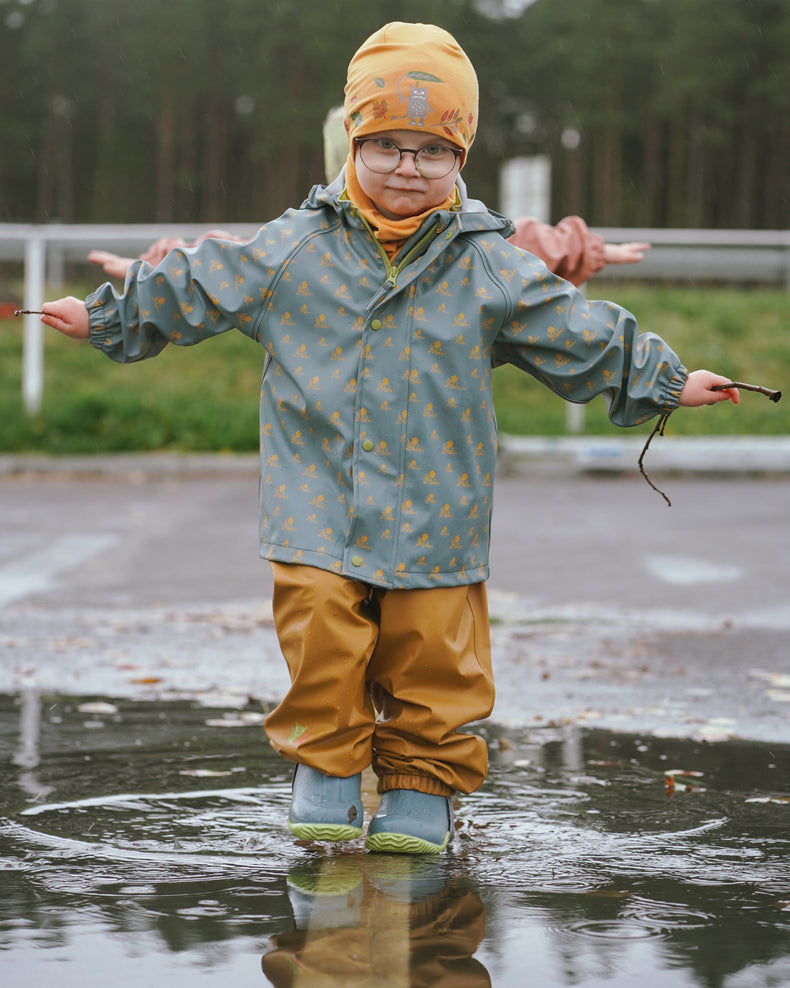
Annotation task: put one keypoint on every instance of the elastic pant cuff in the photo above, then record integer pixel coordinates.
(418, 783)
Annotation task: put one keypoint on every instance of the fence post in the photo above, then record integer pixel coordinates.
(33, 348)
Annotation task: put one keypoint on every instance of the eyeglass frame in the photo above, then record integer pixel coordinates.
(457, 153)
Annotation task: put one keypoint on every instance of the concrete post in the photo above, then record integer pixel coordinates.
(33, 346)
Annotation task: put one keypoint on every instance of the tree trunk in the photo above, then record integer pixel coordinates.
(676, 202)
(187, 185)
(165, 163)
(694, 185)
(745, 182)
(651, 213)
(573, 183)
(215, 200)
(607, 179)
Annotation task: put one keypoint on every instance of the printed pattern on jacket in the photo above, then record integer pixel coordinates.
(378, 434)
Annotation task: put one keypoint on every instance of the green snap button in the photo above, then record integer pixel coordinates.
(375, 324)
(356, 560)
(367, 445)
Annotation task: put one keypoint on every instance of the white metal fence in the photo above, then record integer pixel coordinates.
(735, 256)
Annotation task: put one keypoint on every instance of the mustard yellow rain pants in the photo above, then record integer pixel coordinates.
(383, 677)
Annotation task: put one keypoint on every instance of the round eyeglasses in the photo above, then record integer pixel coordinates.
(382, 156)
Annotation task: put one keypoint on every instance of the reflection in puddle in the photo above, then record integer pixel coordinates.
(379, 920)
(140, 843)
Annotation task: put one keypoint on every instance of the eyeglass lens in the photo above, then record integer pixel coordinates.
(431, 161)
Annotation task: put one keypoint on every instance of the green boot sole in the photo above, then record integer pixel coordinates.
(324, 831)
(403, 844)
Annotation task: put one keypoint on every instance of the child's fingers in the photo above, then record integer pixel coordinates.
(728, 394)
(714, 392)
(55, 321)
(718, 393)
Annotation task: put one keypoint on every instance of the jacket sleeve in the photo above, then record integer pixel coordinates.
(580, 349)
(192, 295)
(570, 249)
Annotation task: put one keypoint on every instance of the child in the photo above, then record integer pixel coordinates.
(383, 304)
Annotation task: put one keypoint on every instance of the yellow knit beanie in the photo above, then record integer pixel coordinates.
(412, 77)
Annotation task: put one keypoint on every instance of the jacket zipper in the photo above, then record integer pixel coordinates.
(393, 270)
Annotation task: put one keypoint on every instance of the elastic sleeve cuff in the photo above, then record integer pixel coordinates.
(676, 383)
(99, 333)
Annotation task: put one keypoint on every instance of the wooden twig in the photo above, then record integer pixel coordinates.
(772, 395)
(28, 312)
(658, 428)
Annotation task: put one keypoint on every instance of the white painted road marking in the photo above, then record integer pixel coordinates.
(34, 571)
(689, 570)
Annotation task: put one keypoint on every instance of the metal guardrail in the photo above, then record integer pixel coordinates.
(745, 256)
(691, 256)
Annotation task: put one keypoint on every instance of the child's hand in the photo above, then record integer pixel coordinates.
(69, 316)
(697, 390)
(160, 248)
(112, 264)
(630, 253)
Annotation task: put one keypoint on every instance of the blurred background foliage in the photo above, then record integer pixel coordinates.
(654, 112)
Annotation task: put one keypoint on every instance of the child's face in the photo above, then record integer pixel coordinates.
(404, 192)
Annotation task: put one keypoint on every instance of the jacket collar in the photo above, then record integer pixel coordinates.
(473, 215)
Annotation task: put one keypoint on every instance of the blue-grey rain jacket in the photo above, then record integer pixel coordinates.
(378, 434)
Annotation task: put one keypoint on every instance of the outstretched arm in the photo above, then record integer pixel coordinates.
(116, 266)
(570, 249)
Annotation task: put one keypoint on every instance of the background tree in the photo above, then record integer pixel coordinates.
(653, 112)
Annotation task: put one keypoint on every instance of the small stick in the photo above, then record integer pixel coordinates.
(29, 312)
(660, 425)
(772, 395)
(658, 428)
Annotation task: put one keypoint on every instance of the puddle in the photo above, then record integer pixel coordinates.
(143, 843)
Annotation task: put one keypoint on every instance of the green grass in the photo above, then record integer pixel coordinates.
(188, 399)
(205, 398)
